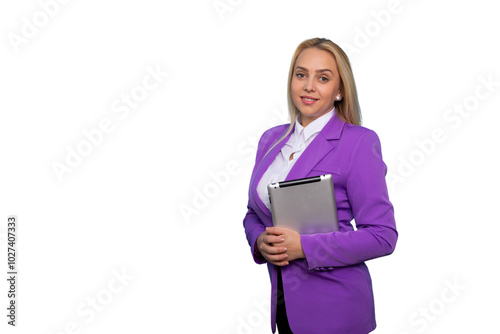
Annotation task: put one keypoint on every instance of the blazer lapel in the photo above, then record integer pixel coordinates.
(262, 168)
(326, 140)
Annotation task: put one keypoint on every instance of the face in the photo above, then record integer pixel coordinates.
(315, 84)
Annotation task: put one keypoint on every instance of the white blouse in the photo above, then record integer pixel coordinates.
(296, 144)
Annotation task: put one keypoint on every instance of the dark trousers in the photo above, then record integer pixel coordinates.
(281, 318)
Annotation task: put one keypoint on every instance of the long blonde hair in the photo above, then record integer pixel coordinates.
(348, 108)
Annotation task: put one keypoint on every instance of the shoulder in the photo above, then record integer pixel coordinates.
(358, 135)
(269, 138)
(271, 135)
(364, 149)
(275, 131)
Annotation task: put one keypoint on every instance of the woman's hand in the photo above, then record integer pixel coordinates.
(280, 245)
(291, 241)
(269, 245)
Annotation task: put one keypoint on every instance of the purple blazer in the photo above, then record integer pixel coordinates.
(330, 291)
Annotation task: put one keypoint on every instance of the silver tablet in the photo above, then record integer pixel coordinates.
(304, 205)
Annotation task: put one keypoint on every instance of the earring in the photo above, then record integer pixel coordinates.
(338, 97)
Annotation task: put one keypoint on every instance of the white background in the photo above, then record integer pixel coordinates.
(120, 209)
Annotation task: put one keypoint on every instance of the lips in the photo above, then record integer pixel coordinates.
(308, 100)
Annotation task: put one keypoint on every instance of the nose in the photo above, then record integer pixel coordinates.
(309, 85)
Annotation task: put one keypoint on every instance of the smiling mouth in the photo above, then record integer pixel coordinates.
(308, 98)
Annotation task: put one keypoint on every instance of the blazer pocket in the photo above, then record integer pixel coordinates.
(330, 169)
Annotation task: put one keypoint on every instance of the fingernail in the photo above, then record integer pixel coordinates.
(282, 239)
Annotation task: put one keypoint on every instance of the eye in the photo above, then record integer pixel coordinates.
(324, 79)
(300, 75)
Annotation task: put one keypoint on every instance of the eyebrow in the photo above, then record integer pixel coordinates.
(317, 71)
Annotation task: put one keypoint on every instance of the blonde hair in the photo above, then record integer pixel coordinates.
(348, 108)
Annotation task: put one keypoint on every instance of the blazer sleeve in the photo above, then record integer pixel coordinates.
(253, 228)
(252, 223)
(373, 213)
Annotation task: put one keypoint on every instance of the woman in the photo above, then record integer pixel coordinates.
(320, 283)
